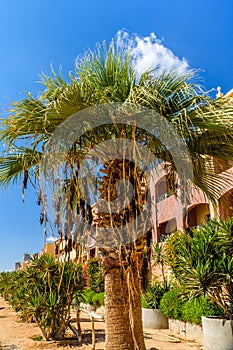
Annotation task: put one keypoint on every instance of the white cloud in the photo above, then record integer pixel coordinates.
(149, 52)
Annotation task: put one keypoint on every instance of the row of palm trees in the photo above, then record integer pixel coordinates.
(107, 77)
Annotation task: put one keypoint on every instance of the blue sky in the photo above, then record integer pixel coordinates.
(38, 33)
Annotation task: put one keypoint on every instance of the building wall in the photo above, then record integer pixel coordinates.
(49, 248)
(169, 214)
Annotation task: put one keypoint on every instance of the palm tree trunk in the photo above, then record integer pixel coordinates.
(123, 321)
(123, 311)
(122, 263)
(135, 307)
(118, 330)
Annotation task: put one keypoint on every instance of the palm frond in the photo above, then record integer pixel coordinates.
(107, 75)
(14, 163)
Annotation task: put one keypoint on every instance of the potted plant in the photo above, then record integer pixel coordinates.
(152, 317)
(202, 262)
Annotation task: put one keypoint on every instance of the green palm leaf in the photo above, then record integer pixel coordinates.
(14, 163)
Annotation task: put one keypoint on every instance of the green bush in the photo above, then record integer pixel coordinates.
(171, 304)
(93, 298)
(193, 310)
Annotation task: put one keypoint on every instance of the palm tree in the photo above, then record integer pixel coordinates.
(107, 76)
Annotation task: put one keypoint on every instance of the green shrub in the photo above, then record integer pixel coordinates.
(93, 298)
(171, 304)
(174, 305)
(202, 262)
(193, 310)
(98, 299)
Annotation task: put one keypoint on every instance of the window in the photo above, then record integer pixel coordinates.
(165, 229)
(163, 190)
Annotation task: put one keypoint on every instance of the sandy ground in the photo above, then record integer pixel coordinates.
(15, 335)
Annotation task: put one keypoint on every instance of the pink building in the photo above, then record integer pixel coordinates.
(168, 212)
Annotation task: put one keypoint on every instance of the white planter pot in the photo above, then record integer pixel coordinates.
(154, 319)
(217, 333)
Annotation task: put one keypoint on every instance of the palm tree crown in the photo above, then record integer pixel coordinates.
(107, 76)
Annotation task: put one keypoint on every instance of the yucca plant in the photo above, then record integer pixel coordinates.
(151, 298)
(203, 264)
(44, 292)
(54, 286)
(159, 260)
